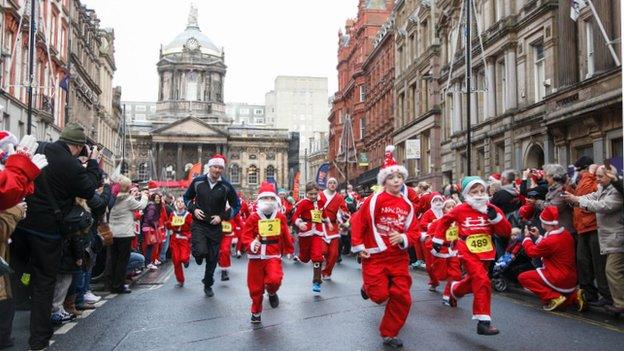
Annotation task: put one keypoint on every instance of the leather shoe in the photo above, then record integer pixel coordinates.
(208, 291)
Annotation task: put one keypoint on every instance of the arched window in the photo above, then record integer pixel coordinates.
(270, 173)
(235, 174)
(170, 172)
(252, 175)
(143, 171)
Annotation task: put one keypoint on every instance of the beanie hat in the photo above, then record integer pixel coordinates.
(267, 190)
(390, 166)
(217, 160)
(73, 133)
(550, 215)
(526, 212)
(469, 182)
(583, 162)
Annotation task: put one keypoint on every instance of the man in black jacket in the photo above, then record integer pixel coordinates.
(206, 199)
(37, 239)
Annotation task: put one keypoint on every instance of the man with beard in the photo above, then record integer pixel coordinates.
(477, 221)
(206, 199)
(266, 235)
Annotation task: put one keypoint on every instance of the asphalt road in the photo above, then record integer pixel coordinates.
(160, 316)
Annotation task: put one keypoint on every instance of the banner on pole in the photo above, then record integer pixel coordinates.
(322, 175)
(412, 149)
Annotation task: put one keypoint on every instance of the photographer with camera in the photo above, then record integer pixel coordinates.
(37, 239)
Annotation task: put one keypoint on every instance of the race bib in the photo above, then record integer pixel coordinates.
(452, 233)
(269, 227)
(479, 243)
(317, 216)
(226, 227)
(177, 221)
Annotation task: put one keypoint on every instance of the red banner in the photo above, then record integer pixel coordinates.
(296, 185)
(195, 171)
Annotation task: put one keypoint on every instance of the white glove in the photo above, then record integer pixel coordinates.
(302, 226)
(28, 145)
(40, 160)
(255, 246)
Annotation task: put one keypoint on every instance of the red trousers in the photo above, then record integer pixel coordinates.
(225, 256)
(477, 282)
(311, 248)
(418, 248)
(448, 269)
(155, 251)
(388, 279)
(263, 274)
(531, 280)
(427, 245)
(180, 254)
(331, 255)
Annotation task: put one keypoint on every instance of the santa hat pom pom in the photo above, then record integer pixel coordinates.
(390, 148)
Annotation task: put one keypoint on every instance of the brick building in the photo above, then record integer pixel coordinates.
(354, 47)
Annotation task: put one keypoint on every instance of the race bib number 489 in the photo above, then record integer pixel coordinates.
(479, 243)
(269, 227)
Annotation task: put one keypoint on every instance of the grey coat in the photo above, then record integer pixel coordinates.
(121, 220)
(607, 204)
(554, 198)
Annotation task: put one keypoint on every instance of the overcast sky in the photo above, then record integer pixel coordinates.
(262, 39)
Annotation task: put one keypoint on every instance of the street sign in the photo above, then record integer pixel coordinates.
(412, 149)
(363, 159)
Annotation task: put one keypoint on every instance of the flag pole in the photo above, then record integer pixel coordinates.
(604, 33)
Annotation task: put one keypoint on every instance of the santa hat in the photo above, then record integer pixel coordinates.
(537, 175)
(332, 178)
(494, 177)
(436, 196)
(217, 160)
(152, 187)
(390, 166)
(526, 212)
(550, 215)
(7, 139)
(267, 190)
(469, 182)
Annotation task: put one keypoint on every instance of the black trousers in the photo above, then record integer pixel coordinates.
(7, 312)
(205, 243)
(591, 265)
(120, 254)
(43, 257)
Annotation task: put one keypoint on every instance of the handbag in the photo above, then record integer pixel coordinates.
(105, 233)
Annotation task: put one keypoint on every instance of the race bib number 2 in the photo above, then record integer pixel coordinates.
(317, 216)
(269, 227)
(226, 227)
(479, 243)
(177, 221)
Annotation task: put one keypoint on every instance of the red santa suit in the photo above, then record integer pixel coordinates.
(230, 229)
(445, 263)
(333, 204)
(264, 270)
(16, 180)
(427, 218)
(557, 276)
(311, 243)
(386, 274)
(476, 249)
(180, 225)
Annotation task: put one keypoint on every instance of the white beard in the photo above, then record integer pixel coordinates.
(437, 210)
(267, 207)
(478, 203)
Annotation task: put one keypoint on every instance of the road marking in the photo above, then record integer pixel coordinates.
(65, 328)
(86, 314)
(110, 296)
(100, 303)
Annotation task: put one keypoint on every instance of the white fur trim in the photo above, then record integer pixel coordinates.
(268, 194)
(482, 317)
(552, 286)
(357, 248)
(556, 231)
(390, 148)
(497, 219)
(385, 172)
(216, 161)
(451, 290)
(438, 241)
(549, 222)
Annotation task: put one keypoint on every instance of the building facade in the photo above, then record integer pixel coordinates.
(246, 114)
(526, 105)
(190, 125)
(355, 46)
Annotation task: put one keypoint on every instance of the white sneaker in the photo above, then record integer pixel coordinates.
(89, 297)
(157, 262)
(151, 267)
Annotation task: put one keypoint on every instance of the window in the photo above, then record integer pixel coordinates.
(170, 172)
(499, 164)
(140, 108)
(362, 93)
(501, 88)
(252, 175)
(616, 147)
(143, 171)
(589, 40)
(235, 174)
(270, 173)
(539, 74)
(191, 87)
(258, 112)
(584, 150)
(244, 120)
(243, 112)
(259, 120)
(362, 128)
(140, 116)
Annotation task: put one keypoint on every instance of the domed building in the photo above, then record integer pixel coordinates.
(188, 123)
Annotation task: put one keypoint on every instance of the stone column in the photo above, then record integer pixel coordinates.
(510, 66)
(518, 161)
(179, 164)
(598, 142)
(159, 162)
(199, 153)
(567, 74)
(474, 99)
(490, 76)
(457, 105)
(549, 149)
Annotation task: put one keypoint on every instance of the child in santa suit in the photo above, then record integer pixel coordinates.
(555, 282)
(335, 205)
(266, 236)
(382, 229)
(432, 214)
(230, 229)
(445, 263)
(477, 221)
(179, 223)
(309, 217)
